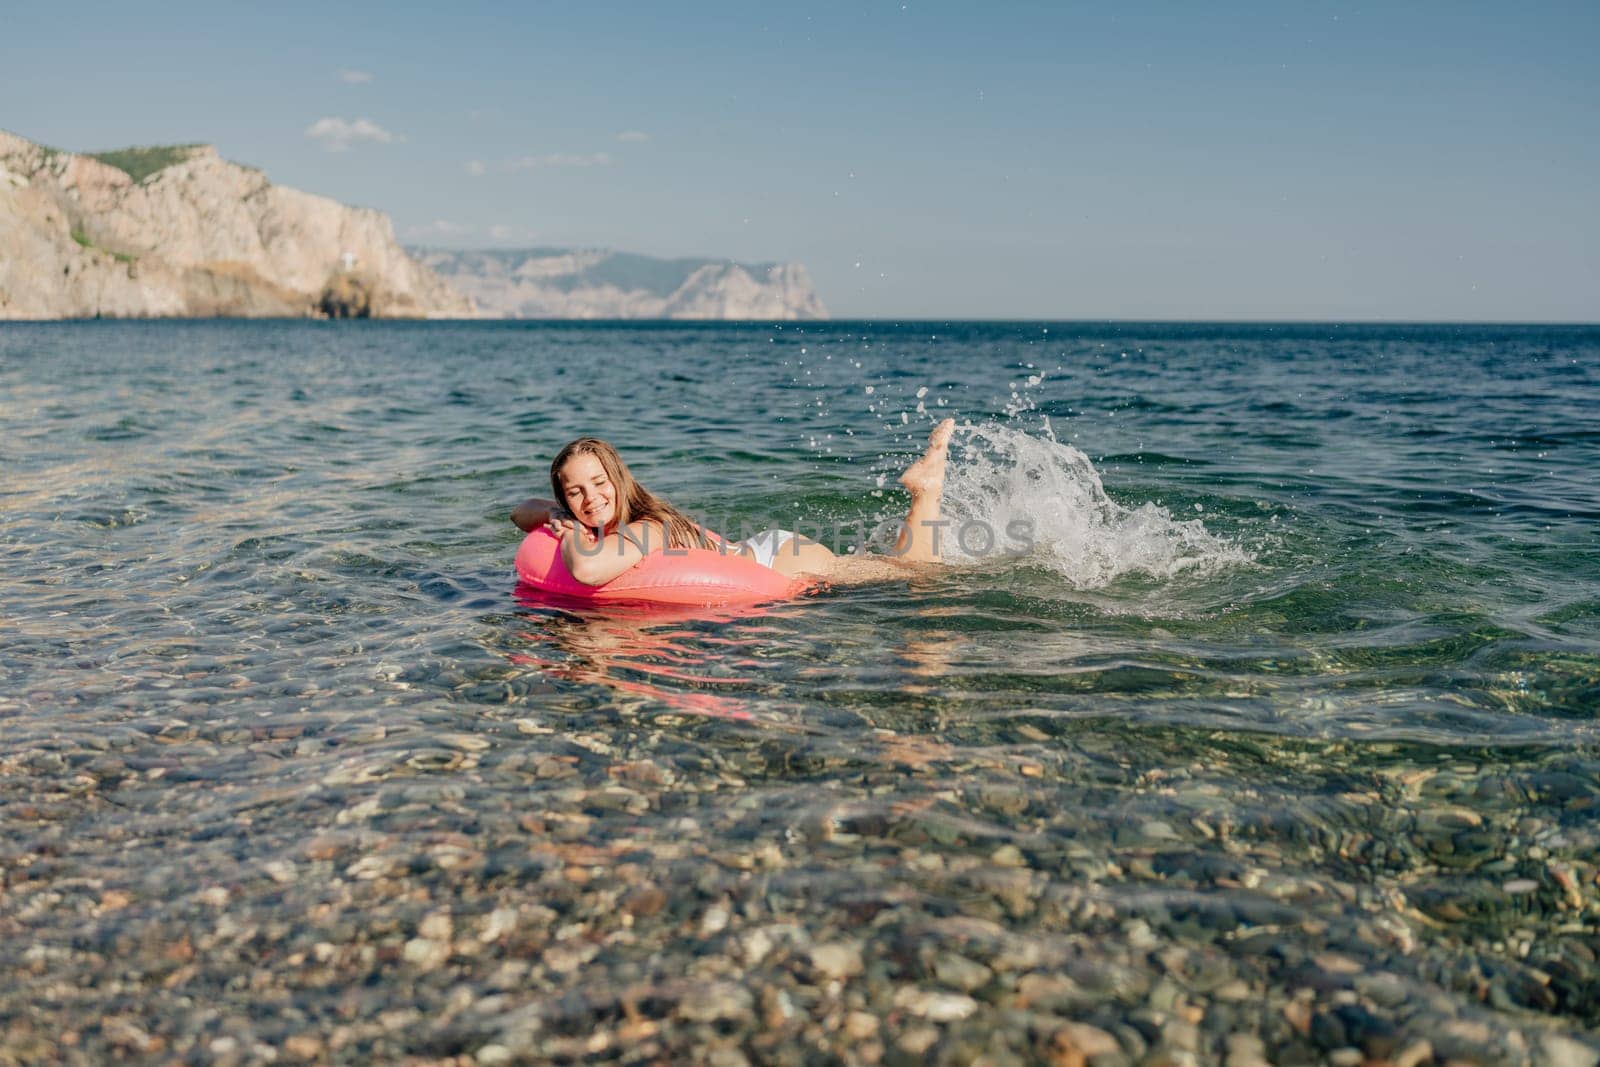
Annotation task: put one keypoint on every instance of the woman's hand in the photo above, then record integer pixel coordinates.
(536, 512)
(584, 538)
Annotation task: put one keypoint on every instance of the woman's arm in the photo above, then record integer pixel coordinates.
(535, 512)
(589, 560)
(595, 561)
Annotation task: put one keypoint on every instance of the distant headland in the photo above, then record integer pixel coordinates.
(560, 283)
(178, 231)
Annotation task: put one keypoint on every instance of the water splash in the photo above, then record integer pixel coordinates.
(1045, 503)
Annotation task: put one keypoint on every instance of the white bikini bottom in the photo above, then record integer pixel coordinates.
(765, 546)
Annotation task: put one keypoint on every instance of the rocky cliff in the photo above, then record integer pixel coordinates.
(564, 284)
(181, 231)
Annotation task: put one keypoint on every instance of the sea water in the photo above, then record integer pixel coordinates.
(1272, 733)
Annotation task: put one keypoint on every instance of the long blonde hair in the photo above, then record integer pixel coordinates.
(634, 501)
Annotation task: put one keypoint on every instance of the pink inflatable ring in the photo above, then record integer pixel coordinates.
(695, 577)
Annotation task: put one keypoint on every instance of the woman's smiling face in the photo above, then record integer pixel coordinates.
(587, 491)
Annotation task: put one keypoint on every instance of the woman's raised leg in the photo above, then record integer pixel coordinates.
(922, 535)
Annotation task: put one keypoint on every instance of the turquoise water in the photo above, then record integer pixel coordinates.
(1284, 731)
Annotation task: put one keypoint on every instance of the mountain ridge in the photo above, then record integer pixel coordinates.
(601, 283)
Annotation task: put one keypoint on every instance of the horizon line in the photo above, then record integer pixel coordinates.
(778, 323)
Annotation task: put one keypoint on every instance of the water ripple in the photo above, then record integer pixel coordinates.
(1302, 696)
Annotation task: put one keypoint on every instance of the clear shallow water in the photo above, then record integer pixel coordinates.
(1285, 728)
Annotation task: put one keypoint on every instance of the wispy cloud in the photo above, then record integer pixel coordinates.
(500, 232)
(633, 137)
(337, 135)
(477, 168)
(355, 77)
(437, 228)
(560, 159)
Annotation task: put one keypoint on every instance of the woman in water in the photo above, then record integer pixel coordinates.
(608, 522)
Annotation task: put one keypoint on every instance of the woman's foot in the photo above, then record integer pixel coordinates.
(927, 474)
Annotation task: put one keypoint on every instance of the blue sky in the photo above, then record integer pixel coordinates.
(1177, 161)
